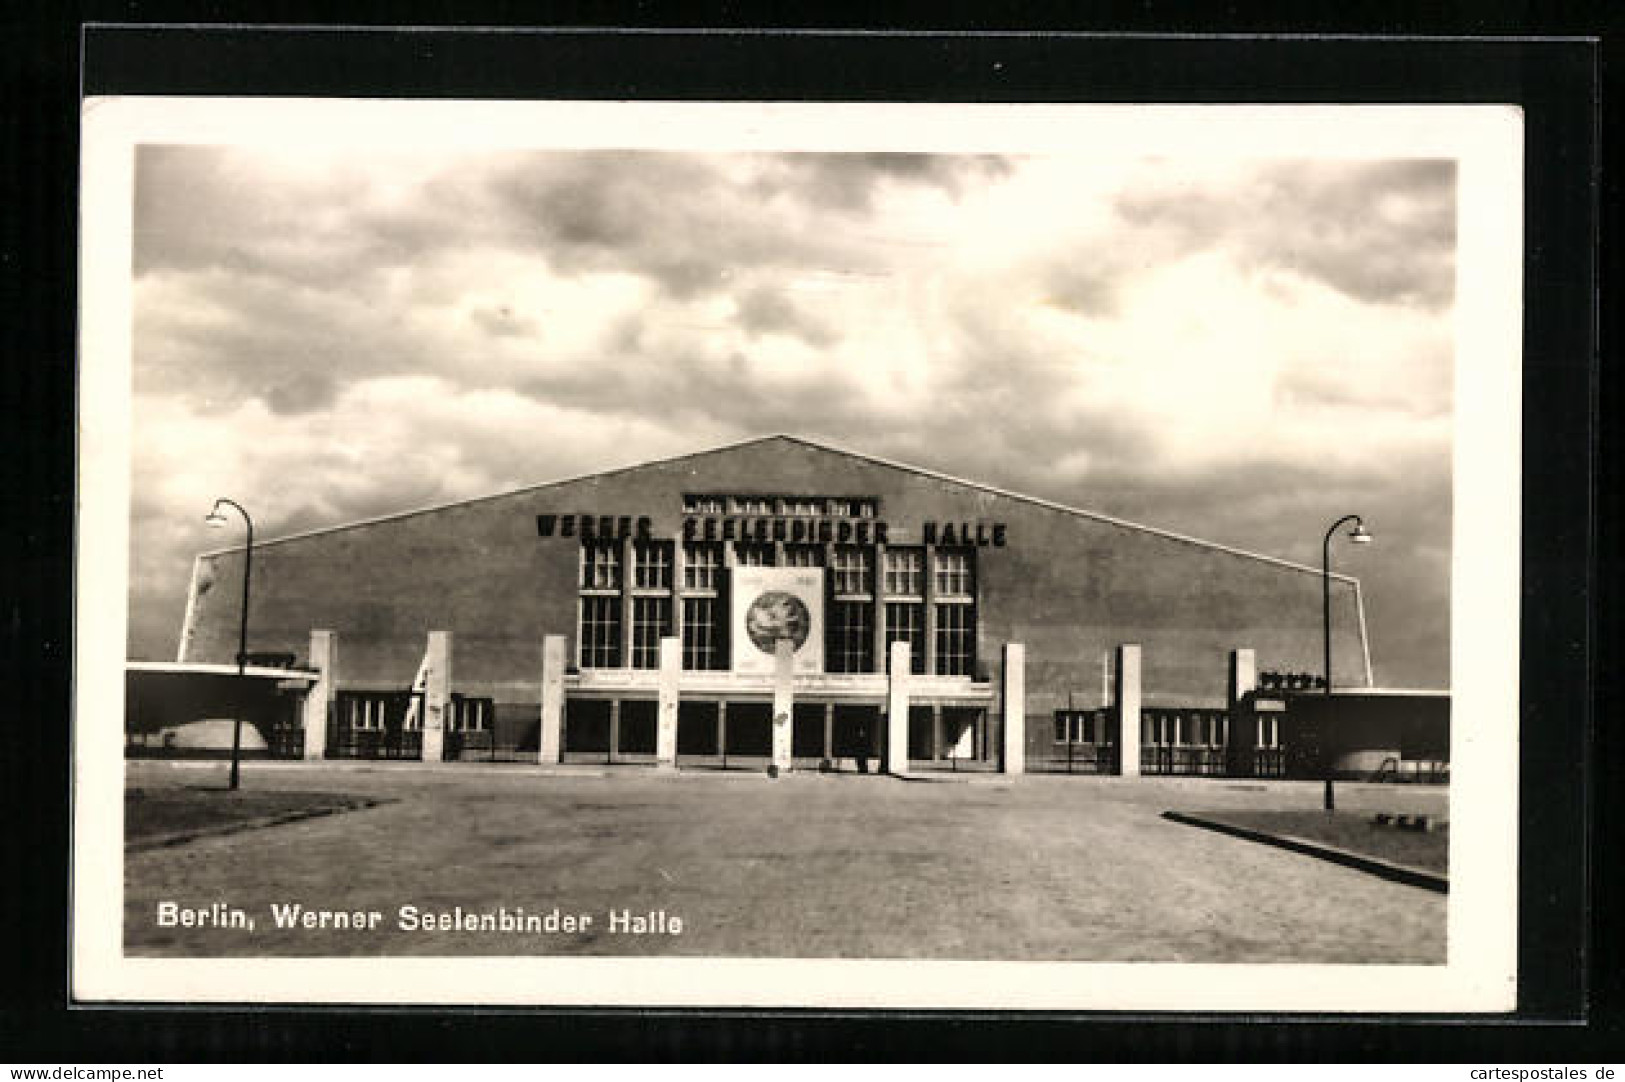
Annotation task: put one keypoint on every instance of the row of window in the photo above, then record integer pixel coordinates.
(850, 640)
(905, 573)
(849, 634)
(372, 715)
(851, 567)
(1199, 730)
(850, 647)
(1163, 730)
(1076, 727)
(821, 506)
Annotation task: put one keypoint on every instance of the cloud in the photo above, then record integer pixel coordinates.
(254, 281)
(695, 224)
(767, 310)
(853, 181)
(1382, 232)
(380, 447)
(1283, 508)
(501, 321)
(1231, 350)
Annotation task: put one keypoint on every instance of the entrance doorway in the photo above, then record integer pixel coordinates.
(586, 730)
(856, 738)
(609, 731)
(697, 735)
(807, 736)
(945, 737)
(749, 732)
(638, 722)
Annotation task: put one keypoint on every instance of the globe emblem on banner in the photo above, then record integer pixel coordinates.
(777, 615)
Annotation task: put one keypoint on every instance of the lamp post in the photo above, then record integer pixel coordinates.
(217, 520)
(1358, 536)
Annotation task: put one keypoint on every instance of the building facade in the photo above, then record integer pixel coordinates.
(777, 600)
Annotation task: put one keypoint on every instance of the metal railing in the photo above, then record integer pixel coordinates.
(1183, 759)
(286, 741)
(1076, 757)
(1269, 762)
(372, 725)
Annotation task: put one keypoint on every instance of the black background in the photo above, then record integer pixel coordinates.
(1569, 959)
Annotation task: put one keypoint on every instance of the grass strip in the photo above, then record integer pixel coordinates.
(159, 818)
(1297, 831)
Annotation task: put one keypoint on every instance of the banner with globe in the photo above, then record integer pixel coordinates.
(773, 603)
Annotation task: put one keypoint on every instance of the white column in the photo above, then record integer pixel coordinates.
(324, 656)
(1243, 674)
(784, 701)
(897, 710)
(437, 696)
(1241, 738)
(1128, 710)
(550, 739)
(722, 731)
(671, 674)
(1015, 708)
(679, 558)
(628, 607)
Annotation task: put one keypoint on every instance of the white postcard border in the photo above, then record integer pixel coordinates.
(1487, 142)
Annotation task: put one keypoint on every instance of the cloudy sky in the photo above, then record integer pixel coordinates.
(1242, 350)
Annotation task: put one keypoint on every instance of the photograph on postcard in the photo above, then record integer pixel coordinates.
(602, 535)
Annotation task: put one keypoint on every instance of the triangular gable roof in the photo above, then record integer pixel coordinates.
(817, 445)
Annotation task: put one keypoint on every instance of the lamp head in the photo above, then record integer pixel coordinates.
(214, 518)
(1358, 534)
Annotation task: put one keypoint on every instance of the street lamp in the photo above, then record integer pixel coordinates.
(1358, 536)
(217, 520)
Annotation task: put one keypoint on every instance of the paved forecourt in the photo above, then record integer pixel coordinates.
(635, 861)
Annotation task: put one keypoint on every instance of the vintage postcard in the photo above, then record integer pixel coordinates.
(761, 554)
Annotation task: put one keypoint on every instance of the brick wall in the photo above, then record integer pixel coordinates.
(1070, 587)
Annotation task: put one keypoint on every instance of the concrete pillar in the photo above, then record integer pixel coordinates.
(324, 656)
(936, 732)
(437, 696)
(1015, 708)
(1241, 737)
(879, 630)
(627, 606)
(722, 731)
(671, 675)
(550, 739)
(1128, 710)
(784, 701)
(897, 711)
(1243, 674)
(614, 730)
(829, 732)
(679, 561)
(928, 590)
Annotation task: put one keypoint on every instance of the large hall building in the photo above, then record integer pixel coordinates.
(777, 603)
